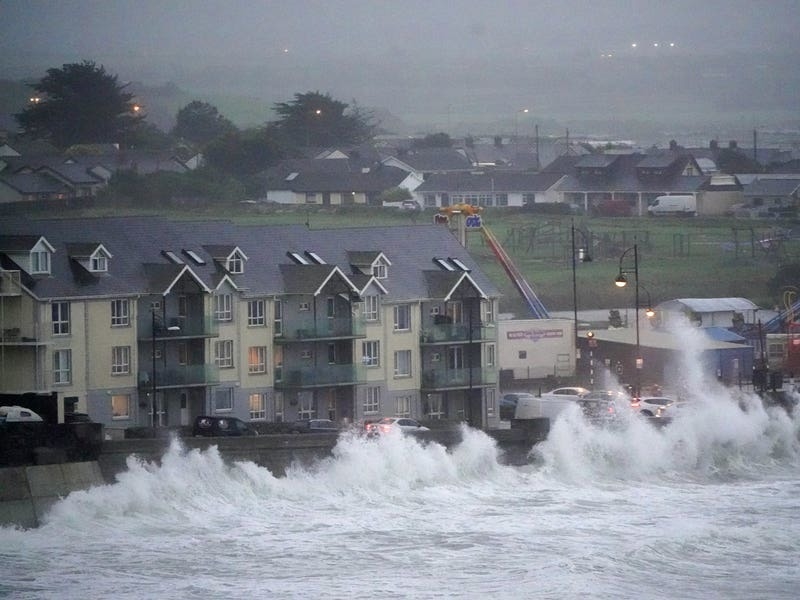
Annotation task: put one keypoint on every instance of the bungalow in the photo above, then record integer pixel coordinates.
(490, 188)
(333, 182)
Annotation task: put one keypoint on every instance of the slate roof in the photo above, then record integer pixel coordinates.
(331, 175)
(435, 159)
(34, 183)
(772, 187)
(138, 265)
(491, 181)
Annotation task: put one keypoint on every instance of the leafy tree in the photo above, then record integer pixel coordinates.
(395, 194)
(80, 103)
(243, 153)
(434, 140)
(315, 119)
(200, 122)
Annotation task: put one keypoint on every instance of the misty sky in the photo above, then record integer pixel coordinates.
(433, 61)
(217, 31)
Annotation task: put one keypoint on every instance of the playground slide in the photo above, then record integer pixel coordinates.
(776, 323)
(536, 306)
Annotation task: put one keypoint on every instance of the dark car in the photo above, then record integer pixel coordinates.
(207, 426)
(508, 404)
(314, 426)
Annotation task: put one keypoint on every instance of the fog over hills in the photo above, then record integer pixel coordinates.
(647, 69)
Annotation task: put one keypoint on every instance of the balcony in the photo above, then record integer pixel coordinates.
(182, 376)
(329, 375)
(181, 328)
(437, 379)
(453, 332)
(14, 336)
(328, 329)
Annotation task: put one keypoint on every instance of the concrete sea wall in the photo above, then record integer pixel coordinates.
(28, 492)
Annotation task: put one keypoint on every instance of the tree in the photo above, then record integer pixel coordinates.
(315, 119)
(243, 153)
(200, 122)
(80, 103)
(434, 140)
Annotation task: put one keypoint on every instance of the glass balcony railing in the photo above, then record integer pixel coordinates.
(321, 376)
(181, 327)
(326, 329)
(457, 378)
(452, 332)
(188, 375)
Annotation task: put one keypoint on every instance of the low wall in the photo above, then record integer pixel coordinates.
(27, 492)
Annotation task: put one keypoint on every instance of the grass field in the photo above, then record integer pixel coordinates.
(678, 258)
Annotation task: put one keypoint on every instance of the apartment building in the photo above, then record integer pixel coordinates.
(144, 321)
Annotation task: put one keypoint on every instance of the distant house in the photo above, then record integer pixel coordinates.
(770, 196)
(31, 187)
(624, 184)
(335, 181)
(424, 162)
(489, 188)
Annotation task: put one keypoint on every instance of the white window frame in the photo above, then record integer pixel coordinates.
(371, 307)
(372, 400)
(258, 407)
(61, 317)
(257, 359)
(278, 408)
(402, 363)
(402, 406)
(256, 313)
(306, 406)
(371, 353)
(40, 262)
(62, 367)
(120, 360)
(223, 307)
(379, 270)
(98, 263)
(223, 354)
(491, 355)
(120, 313)
(491, 402)
(223, 400)
(402, 317)
(278, 318)
(236, 263)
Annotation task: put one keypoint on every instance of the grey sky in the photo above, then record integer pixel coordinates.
(437, 63)
(218, 31)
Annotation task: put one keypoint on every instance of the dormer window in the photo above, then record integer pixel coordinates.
(235, 263)
(40, 262)
(99, 263)
(379, 270)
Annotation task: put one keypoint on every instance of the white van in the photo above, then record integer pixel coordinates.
(677, 205)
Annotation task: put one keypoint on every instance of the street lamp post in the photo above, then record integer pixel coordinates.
(621, 281)
(585, 256)
(516, 122)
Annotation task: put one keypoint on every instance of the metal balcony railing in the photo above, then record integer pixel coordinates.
(180, 327)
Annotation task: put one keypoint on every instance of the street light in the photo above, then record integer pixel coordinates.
(314, 113)
(621, 281)
(153, 402)
(581, 253)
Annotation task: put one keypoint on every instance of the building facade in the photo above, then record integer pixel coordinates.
(141, 321)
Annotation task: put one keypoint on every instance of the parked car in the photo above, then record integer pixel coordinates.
(604, 404)
(403, 424)
(18, 414)
(314, 426)
(508, 404)
(657, 406)
(550, 404)
(215, 426)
